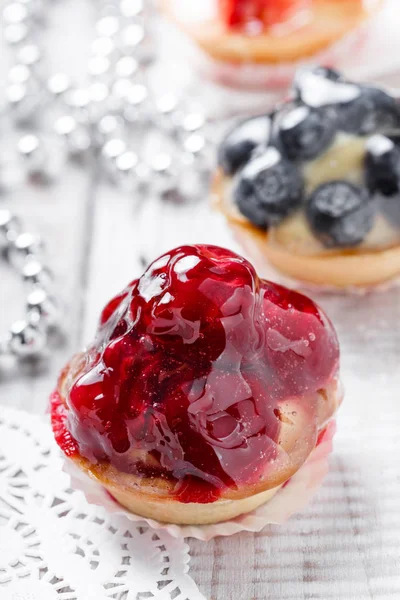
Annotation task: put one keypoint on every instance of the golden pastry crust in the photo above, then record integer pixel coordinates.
(338, 268)
(331, 21)
(153, 497)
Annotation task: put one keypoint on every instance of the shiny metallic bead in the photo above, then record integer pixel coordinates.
(110, 152)
(58, 84)
(113, 148)
(132, 36)
(98, 66)
(16, 33)
(107, 26)
(126, 66)
(125, 165)
(19, 74)
(78, 98)
(136, 107)
(131, 8)
(74, 134)
(163, 175)
(42, 309)
(12, 171)
(34, 273)
(103, 46)
(10, 227)
(29, 55)
(22, 100)
(108, 126)
(43, 156)
(193, 122)
(25, 246)
(122, 87)
(26, 340)
(15, 12)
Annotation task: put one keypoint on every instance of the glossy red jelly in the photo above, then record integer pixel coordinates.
(193, 365)
(241, 13)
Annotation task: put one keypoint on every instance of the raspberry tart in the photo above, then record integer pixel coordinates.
(259, 42)
(205, 389)
(314, 187)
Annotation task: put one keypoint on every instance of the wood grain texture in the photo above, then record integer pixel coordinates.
(346, 544)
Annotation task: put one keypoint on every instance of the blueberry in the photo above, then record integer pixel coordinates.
(382, 165)
(305, 132)
(372, 110)
(236, 148)
(340, 214)
(268, 188)
(323, 87)
(328, 73)
(382, 173)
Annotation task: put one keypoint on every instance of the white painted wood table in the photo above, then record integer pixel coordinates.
(346, 544)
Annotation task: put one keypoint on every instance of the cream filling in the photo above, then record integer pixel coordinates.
(343, 160)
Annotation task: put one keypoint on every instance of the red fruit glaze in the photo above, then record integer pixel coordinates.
(192, 364)
(239, 13)
(59, 424)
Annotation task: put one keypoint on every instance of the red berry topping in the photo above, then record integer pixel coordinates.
(199, 373)
(239, 13)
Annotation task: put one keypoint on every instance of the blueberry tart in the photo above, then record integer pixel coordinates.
(205, 389)
(314, 187)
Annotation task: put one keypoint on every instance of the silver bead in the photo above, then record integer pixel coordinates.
(42, 309)
(15, 12)
(166, 114)
(193, 122)
(25, 246)
(108, 126)
(103, 46)
(132, 36)
(111, 150)
(122, 87)
(15, 34)
(29, 55)
(19, 74)
(163, 174)
(98, 66)
(127, 66)
(26, 340)
(78, 99)
(136, 107)
(58, 84)
(131, 8)
(23, 101)
(10, 227)
(125, 165)
(43, 156)
(34, 273)
(12, 172)
(74, 134)
(107, 26)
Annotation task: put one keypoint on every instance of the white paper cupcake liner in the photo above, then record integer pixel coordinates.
(291, 498)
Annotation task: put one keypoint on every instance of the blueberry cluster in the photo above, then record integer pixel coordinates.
(265, 155)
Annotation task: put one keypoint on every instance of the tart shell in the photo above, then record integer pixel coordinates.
(339, 269)
(153, 497)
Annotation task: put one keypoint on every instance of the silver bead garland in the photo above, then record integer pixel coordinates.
(24, 251)
(104, 118)
(114, 107)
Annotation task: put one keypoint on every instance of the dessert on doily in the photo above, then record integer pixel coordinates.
(313, 188)
(205, 390)
(259, 42)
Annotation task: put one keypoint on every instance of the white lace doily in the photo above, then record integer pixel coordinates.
(56, 546)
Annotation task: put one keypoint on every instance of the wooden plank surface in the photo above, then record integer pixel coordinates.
(346, 544)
